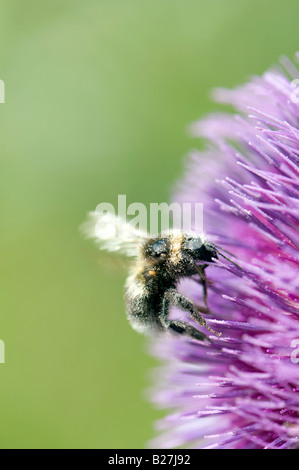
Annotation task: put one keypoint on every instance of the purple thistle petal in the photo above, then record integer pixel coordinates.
(242, 390)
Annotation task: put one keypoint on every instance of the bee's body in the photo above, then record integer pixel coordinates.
(151, 288)
(144, 298)
(142, 306)
(159, 264)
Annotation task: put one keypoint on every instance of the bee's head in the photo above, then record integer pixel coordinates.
(179, 247)
(176, 254)
(196, 248)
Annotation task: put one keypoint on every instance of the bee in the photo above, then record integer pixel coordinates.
(158, 264)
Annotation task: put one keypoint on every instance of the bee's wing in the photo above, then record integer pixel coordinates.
(113, 233)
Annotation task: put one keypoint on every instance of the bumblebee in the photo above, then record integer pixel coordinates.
(159, 263)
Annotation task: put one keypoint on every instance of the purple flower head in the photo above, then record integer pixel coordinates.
(242, 389)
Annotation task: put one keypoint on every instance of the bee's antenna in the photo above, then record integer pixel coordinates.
(228, 252)
(222, 249)
(228, 259)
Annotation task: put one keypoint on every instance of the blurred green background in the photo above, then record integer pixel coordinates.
(98, 98)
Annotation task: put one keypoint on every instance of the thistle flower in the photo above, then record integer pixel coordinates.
(242, 390)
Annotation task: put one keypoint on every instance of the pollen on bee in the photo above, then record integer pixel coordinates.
(176, 245)
(152, 272)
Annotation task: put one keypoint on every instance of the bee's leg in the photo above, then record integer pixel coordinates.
(187, 305)
(177, 327)
(177, 299)
(181, 328)
(201, 272)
